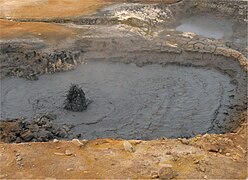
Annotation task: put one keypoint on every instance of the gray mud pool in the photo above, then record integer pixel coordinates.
(207, 26)
(128, 102)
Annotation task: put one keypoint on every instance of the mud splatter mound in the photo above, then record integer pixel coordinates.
(75, 99)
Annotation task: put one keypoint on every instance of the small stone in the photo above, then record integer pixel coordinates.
(55, 140)
(196, 162)
(69, 169)
(77, 142)
(185, 141)
(59, 154)
(154, 175)
(205, 177)
(228, 154)
(68, 153)
(128, 146)
(18, 158)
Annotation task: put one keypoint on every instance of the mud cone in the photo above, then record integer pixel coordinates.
(75, 99)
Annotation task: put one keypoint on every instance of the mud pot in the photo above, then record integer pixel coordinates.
(207, 26)
(159, 89)
(128, 102)
(148, 70)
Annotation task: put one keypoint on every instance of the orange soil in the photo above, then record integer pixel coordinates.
(42, 9)
(45, 31)
(45, 9)
(208, 156)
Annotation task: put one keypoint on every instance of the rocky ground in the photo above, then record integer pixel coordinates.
(38, 39)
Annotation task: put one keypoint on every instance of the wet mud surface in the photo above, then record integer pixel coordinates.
(127, 101)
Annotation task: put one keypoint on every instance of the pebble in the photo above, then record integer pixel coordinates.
(128, 146)
(196, 162)
(185, 141)
(228, 154)
(55, 140)
(205, 177)
(18, 158)
(69, 169)
(68, 153)
(77, 142)
(59, 154)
